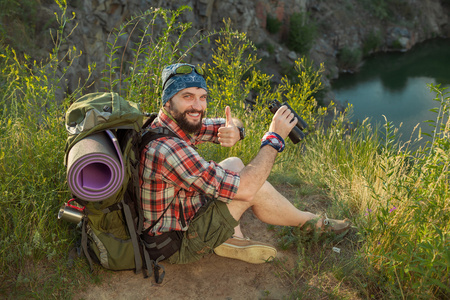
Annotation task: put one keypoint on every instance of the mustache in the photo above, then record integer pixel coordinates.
(201, 112)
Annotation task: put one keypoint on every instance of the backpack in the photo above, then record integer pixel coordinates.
(106, 136)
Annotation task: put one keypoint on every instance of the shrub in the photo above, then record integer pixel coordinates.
(372, 42)
(301, 33)
(273, 25)
(349, 59)
(17, 19)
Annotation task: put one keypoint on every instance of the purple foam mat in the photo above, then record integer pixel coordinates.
(95, 169)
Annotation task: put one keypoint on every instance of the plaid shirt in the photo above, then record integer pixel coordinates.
(173, 173)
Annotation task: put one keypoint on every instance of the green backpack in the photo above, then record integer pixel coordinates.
(102, 156)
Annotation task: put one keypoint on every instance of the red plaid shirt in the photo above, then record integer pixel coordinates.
(173, 173)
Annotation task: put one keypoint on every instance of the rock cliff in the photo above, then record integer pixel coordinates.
(339, 25)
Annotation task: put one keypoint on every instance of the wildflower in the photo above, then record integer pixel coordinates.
(392, 209)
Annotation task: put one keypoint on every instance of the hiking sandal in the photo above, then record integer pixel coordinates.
(336, 226)
(246, 250)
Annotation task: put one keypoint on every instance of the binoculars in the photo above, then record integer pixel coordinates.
(296, 134)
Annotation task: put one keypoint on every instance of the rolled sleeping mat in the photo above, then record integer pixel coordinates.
(95, 169)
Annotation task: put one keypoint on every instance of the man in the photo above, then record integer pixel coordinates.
(203, 201)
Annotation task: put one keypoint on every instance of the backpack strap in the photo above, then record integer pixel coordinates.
(151, 135)
(116, 206)
(167, 244)
(154, 134)
(151, 117)
(84, 243)
(134, 237)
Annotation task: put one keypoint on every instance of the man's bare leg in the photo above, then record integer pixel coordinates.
(268, 205)
(271, 207)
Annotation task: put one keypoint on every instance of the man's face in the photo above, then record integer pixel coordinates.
(187, 107)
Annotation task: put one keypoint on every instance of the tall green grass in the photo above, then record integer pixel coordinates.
(153, 46)
(397, 198)
(32, 185)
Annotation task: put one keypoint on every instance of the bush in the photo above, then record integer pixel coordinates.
(232, 75)
(372, 42)
(17, 23)
(301, 33)
(273, 25)
(349, 59)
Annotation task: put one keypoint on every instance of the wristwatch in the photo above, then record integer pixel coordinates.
(241, 133)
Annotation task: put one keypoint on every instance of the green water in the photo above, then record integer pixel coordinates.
(395, 85)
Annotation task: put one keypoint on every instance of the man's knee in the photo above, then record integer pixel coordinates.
(234, 164)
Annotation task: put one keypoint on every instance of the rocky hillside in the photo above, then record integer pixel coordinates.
(340, 32)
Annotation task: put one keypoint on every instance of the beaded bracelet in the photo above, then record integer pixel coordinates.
(274, 140)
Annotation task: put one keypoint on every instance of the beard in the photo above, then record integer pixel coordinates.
(183, 122)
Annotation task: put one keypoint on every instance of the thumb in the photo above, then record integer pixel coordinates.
(229, 120)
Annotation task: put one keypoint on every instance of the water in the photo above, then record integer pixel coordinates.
(395, 85)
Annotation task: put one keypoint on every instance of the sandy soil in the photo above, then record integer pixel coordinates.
(213, 277)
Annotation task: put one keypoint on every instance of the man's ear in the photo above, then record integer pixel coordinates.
(167, 105)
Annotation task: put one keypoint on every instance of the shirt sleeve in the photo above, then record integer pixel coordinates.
(184, 167)
(209, 130)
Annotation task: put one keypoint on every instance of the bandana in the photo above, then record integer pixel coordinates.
(179, 81)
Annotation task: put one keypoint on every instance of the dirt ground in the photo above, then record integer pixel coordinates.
(212, 277)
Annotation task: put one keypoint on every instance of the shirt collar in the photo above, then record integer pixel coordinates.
(167, 120)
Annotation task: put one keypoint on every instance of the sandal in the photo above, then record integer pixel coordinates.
(336, 226)
(246, 250)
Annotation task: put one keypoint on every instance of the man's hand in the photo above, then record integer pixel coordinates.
(283, 121)
(229, 134)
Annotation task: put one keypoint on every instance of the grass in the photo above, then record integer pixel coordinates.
(396, 197)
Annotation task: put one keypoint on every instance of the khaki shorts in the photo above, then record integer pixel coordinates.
(211, 226)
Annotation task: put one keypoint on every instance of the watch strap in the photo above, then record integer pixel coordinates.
(241, 133)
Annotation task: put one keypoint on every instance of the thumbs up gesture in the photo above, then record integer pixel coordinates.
(229, 134)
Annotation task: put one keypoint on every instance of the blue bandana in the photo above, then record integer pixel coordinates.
(180, 81)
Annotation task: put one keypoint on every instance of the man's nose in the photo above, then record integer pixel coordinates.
(197, 104)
